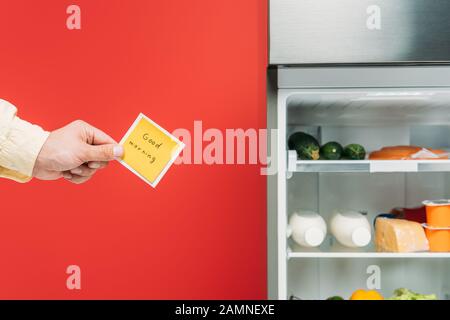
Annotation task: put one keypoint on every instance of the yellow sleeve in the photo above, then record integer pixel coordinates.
(20, 144)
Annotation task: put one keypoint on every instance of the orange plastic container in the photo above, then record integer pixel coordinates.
(438, 213)
(438, 238)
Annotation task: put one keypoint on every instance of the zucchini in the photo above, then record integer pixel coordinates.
(306, 145)
(331, 151)
(354, 152)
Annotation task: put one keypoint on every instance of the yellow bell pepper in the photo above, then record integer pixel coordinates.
(361, 294)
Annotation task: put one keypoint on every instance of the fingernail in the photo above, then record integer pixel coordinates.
(94, 165)
(67, 175)
(118, 151)
(76, 171)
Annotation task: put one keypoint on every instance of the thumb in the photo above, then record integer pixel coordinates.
(103, 152)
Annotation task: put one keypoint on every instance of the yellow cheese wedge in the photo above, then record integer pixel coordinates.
(396, 235)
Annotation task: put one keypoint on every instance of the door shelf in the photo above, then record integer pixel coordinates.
(292, 255)
(368, 166)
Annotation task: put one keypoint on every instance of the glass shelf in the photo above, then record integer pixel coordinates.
(312, 254)
(369, 166)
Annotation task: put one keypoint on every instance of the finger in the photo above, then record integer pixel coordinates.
(67, 175)
(78, 179)
(97, 136)
(104, 152)
(83, 171)
(48, 175)
(97, 164)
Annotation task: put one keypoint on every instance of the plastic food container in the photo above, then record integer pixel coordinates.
(307, 228)
(438, 213)
(438, 238)
(417, 214)
(350, 228)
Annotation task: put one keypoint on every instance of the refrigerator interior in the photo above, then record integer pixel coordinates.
(373, 118)
(320, 278)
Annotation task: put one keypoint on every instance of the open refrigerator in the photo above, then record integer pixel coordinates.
(374, 88)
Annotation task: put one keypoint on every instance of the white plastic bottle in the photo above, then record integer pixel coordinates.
(350, 228)
(307, 228)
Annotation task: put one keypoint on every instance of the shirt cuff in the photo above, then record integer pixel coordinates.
(14, 175)
(21, 147)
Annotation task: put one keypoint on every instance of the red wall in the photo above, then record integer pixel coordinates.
(202, 232)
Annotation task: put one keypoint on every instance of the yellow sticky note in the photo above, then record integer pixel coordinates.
(149, 150)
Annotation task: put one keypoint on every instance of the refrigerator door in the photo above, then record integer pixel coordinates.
(359, 31)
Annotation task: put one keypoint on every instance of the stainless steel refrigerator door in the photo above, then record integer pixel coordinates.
(359, 31)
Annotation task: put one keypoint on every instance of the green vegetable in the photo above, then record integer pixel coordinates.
(306, 146)
(335, 298)
(354, 152)
(405, 294)
(331, 151)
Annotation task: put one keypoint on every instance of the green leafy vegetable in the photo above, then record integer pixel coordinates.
(406, 294)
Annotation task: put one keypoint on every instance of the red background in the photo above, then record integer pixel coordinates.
(202, 232)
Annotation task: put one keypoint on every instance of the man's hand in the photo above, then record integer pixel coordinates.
(75, 152)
